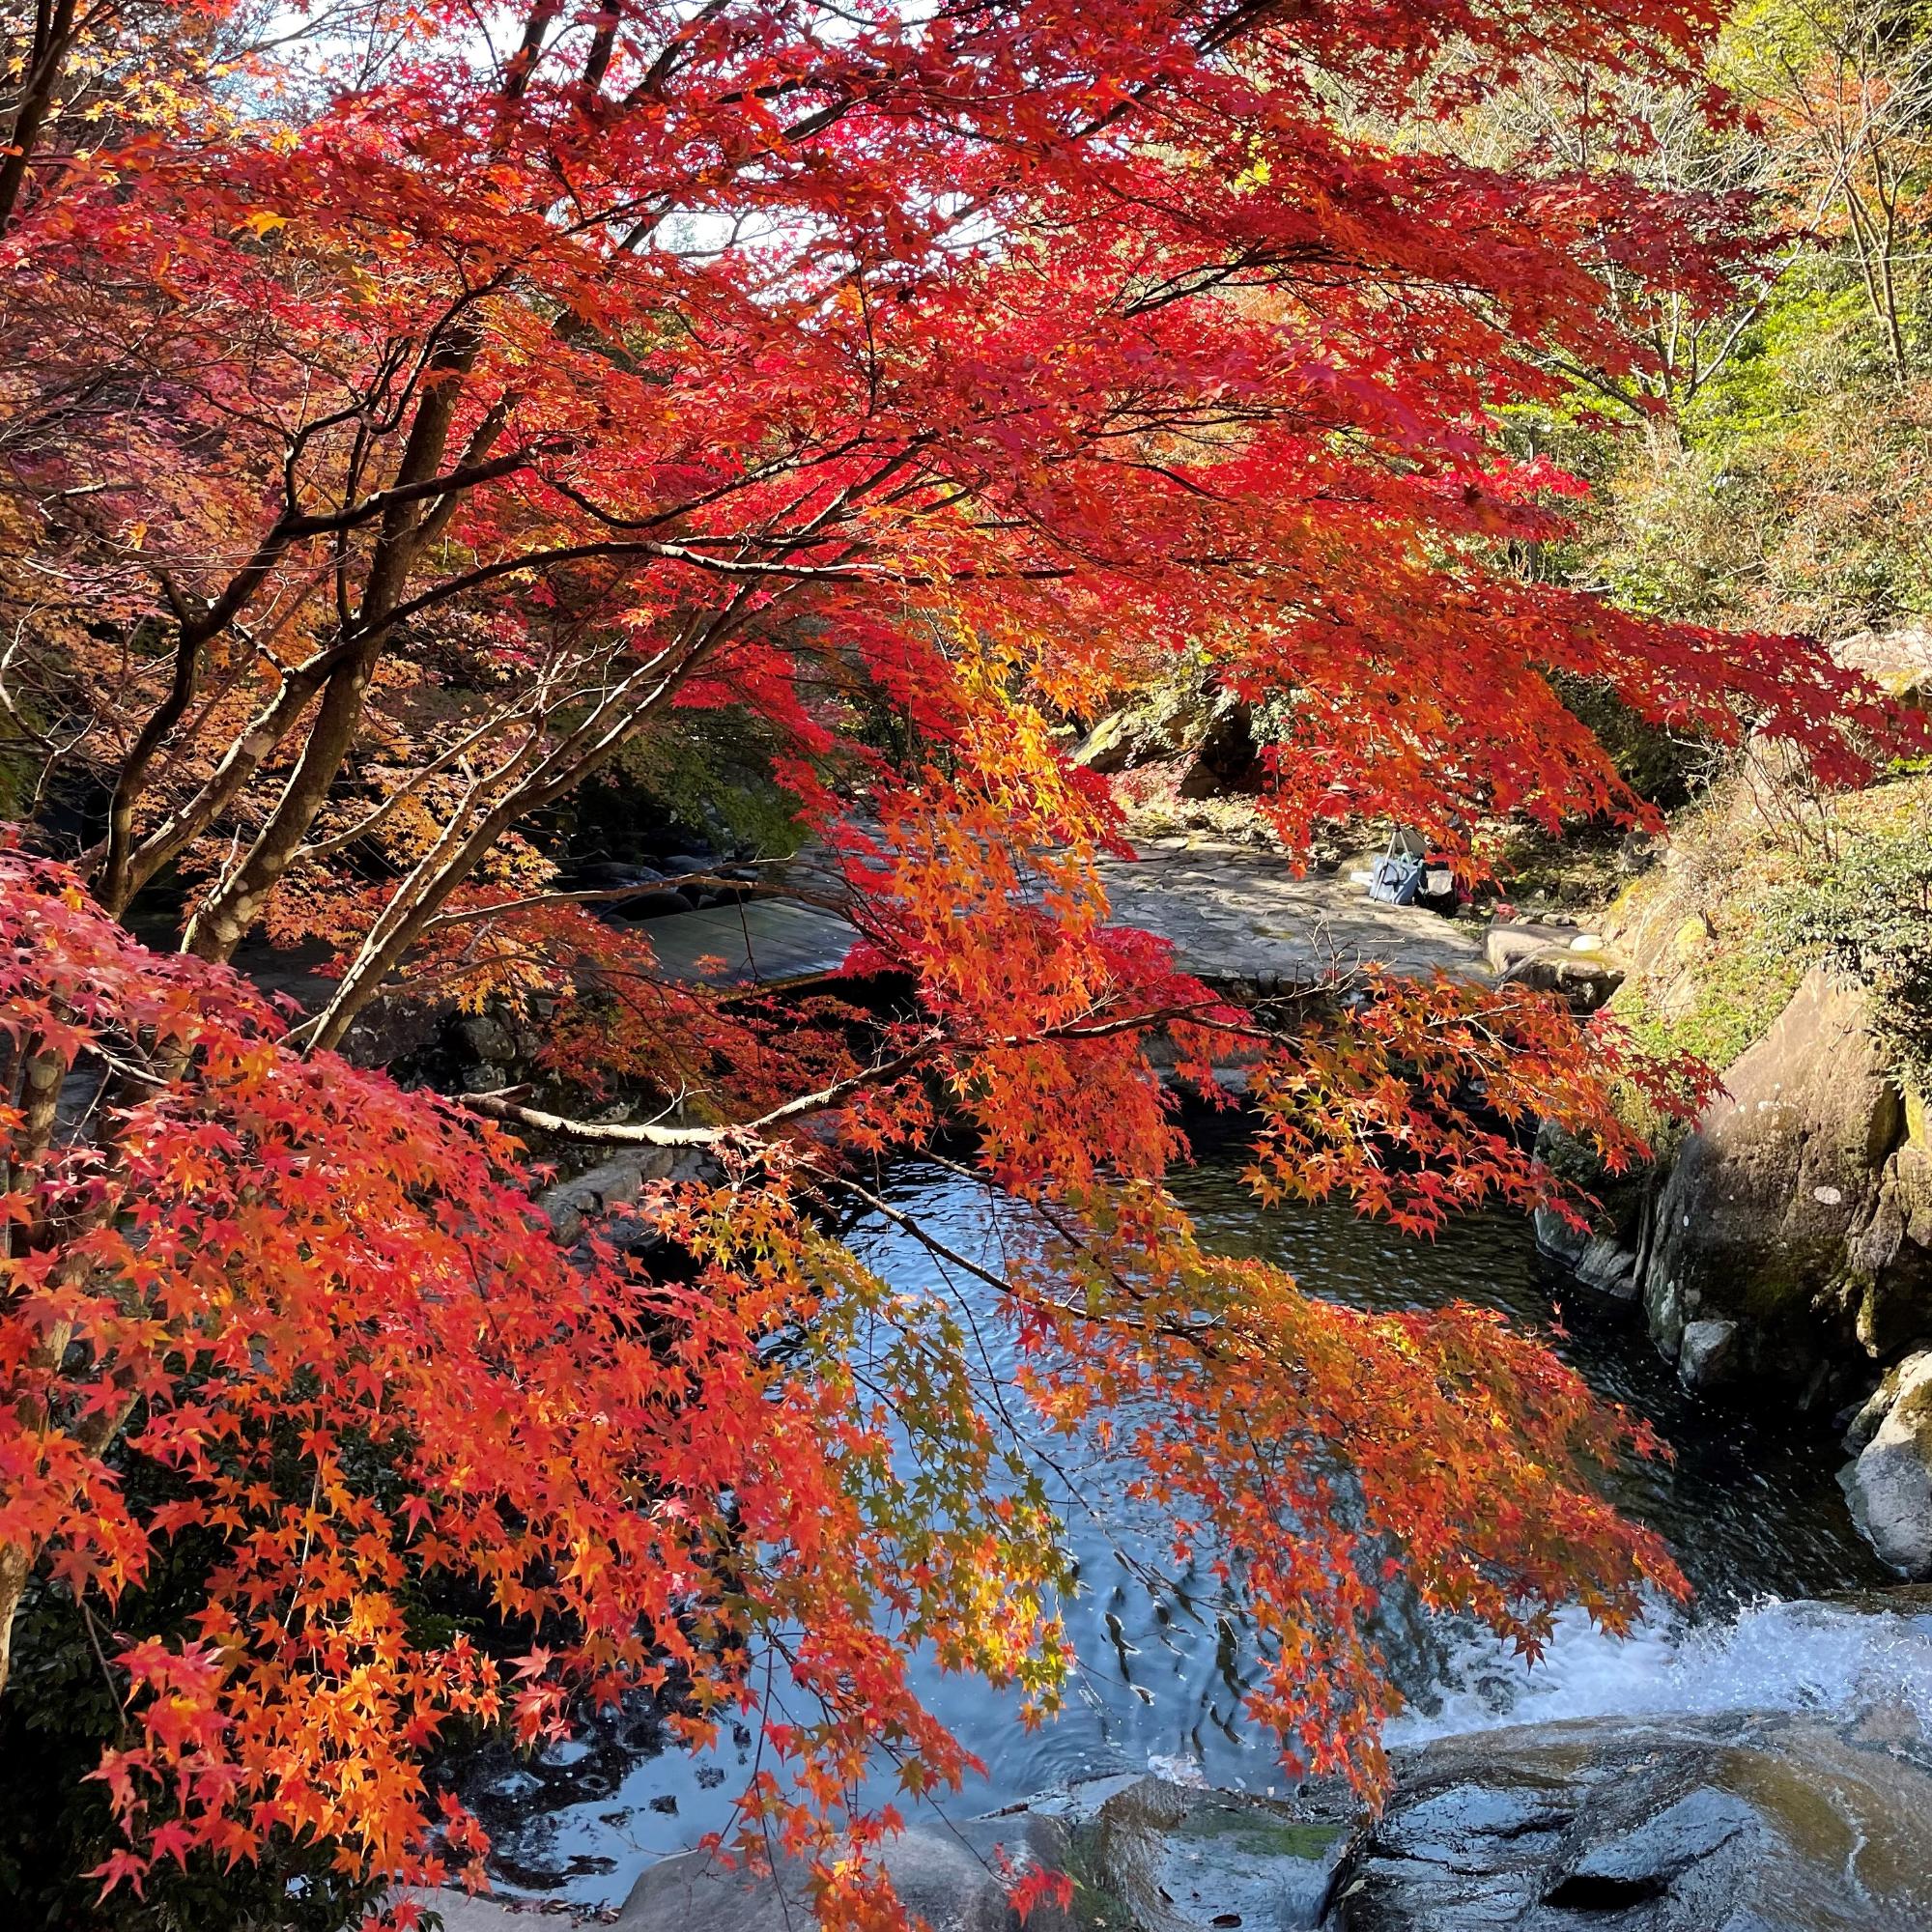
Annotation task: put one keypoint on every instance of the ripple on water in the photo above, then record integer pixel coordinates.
(1750, 1510)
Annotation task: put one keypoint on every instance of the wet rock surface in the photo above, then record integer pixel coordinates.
(1604, 1257)
(612, 1184)
(1143, 1854)
(1888, 1482)
(1806, 1809)
(1746, 1824)
(1751, 1823)
(1601, 1262)
(1707, 1355)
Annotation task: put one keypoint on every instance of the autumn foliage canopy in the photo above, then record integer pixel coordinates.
(395, 428)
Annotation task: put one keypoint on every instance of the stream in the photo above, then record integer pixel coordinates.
(1751, 1509)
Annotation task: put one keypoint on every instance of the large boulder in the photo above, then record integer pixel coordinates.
(1889, 1481)
(1901, 661)
(1799, 1210)
(1206, 737)
(1744, 1824)
(1554, 959)
(1599, 1260)
(1132, 737)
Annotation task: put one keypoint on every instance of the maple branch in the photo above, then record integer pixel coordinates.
(773, 540)
(585, 553)
(795, 573)
(377, 815)
(119, 875)
(661, 69)
(496, 419)
(454, 483)
(603, 44)
(1196, 1335)
(501, 1104)
(522, 63)
(647, 1133)
(911, 1224)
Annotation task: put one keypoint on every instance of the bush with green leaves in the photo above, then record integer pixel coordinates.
(1868, 913)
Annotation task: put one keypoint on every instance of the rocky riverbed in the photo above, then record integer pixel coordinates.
(1150, 1783)
(1805, 1807)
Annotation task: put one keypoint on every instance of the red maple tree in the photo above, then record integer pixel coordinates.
(397, 427)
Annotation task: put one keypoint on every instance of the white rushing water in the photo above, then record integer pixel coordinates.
(1825, 1657)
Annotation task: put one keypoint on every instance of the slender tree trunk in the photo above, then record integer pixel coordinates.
(456, 855)
(16, 1565)
(218, 927)
(131, 780)
(597, 739)
(49, 59)
(1875, 270)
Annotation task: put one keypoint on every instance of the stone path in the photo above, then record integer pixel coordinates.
(1235, 915)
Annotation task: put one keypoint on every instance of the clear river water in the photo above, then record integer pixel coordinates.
(1750, 1508)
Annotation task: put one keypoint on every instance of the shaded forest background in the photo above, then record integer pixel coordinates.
(1771, 473)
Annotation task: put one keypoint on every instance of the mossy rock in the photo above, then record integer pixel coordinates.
(1146, 1852)
(1766, 1216)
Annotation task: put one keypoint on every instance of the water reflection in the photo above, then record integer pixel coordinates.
(1751, 1509)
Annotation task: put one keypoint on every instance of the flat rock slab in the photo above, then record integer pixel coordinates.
(1236, 914)
(1768, 1822)
(1233, 914)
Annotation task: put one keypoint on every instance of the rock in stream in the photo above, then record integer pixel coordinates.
(1145, 1855)
(1751, 1823)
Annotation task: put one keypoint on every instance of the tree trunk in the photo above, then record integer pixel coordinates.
(37, 96)
(15, 1567)
(218, 927)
